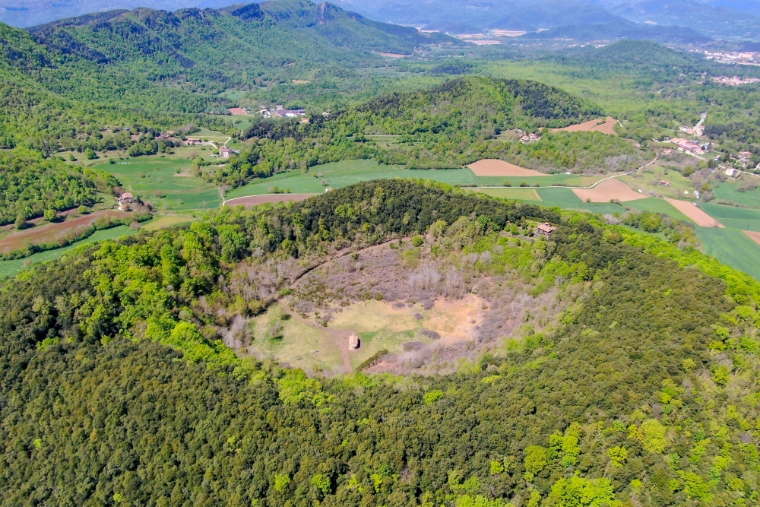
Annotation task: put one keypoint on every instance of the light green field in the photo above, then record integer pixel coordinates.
(569, 180)
(727, 192)
(211, 135)
(525, 194)
(656, 205)
(731, 247)
(744, 219)
(164, 221)
(12, 268)
(646, 178)
(164, 182)
(341, 174)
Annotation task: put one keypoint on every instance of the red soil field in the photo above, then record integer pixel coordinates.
(50, 233)
(608, 190)
(755, 236)
(608, 127)
(237, 111)
(491, 167)
(699, 217)
(255, 200)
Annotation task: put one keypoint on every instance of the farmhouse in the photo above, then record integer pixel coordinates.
(545, 230)
(353, 342)
(226, 152)
(688, 146)
(125, 200)
(192, 141)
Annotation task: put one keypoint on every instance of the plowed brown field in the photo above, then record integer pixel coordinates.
(755, 236)
(50, 233)
(699, 217)
(491, 167)
(607, 191)
(608, 127)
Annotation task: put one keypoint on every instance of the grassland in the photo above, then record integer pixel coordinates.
(657, 206)
(569, 180)
(524, 194)
(12, 268)
(744, 219)
(341, 174)
(727, 192)
(164, 221)
(731, 247)
(164, 182)
(646, 179)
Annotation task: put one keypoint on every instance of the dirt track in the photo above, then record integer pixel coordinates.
(491, 167)
(608, 190)
(255, 200)
(698, 216)
(608, 127)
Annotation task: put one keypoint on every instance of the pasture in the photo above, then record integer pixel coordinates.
(164, 182)
(728, 192)
(647, 180)
(655, 205)
(736, 218)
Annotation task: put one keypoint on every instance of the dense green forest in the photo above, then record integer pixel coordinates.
(29, 185)
(116, 388)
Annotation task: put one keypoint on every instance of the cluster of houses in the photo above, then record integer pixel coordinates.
(735, 81)
(529, 138)
(687, 146)
(125, 200)
(280, 111)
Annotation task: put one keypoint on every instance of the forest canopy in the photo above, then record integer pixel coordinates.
(116, 380)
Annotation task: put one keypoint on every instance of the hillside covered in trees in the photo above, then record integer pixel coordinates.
(118, 389)
(73, 77)
(449, 125)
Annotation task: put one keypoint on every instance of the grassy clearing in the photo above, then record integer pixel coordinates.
(646, 179)
(164, 221)
(12, 268)
(727, 192)
(731, 247)
(525, 194)
(341, 174)
(211, 135)
(736, 218)
(164, 182)
(656, 205)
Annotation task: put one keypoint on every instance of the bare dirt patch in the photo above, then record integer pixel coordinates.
(491, 167)
(754, 236)
(606, 126)
(301, 81)
(608, 191)
(695, 214)
(255, 200)
(238, 111)
(50, 233)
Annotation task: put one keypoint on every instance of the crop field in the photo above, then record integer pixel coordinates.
(732, 247)
(736, 218)
(727, 192)
(605, 126)
(164, 182)
(655, 205)
(547, 180)
(490, 167)
(607, 191)
(525, 194)
(14, 267)
(53, 232)
(211, 135)
(341, 174)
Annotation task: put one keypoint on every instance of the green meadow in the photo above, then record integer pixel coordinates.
(731, 247)
(164, 182)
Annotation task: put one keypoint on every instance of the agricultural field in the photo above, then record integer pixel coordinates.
(164, 221)
(164, 182)
(732, 247)
(523, 194)
(727, 192)
(14, 267)
(656, 205)
(341, 174)
(744, 219)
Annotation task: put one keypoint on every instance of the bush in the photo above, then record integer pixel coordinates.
(418, 241)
